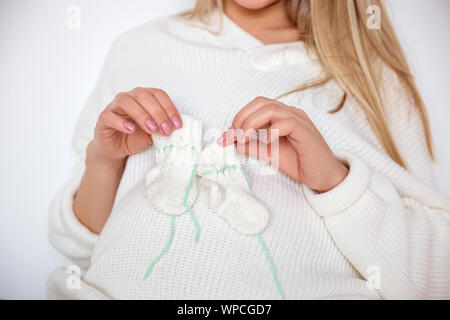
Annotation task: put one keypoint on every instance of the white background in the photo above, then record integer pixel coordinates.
(48, 70)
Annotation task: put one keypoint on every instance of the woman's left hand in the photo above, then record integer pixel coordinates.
(303, 153)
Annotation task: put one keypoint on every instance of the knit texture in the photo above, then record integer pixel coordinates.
(172, 184)
(229, 192)
(176, 156)
(326, 246)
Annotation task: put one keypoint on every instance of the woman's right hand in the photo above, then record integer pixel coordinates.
(126, 125)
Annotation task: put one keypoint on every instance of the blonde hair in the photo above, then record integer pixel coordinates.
(337, 33)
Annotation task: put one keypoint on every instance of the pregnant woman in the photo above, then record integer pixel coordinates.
(336, 201)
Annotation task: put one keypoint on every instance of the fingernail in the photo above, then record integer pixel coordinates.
(129, 126)
(176, 121)
(165, 128)
(151, 125)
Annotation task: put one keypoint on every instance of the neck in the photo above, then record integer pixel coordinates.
(270, 24)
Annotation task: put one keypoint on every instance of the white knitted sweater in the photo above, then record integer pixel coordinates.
(382, 233)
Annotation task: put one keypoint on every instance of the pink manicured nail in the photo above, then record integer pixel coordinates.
(165, 128)
(129, 126)
(176, 121)
(151, 125)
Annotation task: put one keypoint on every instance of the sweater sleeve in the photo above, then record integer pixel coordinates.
(66, 233)
(377, 228)
(405, 125)
(401, 231)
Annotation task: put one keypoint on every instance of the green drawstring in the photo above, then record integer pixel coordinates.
(163, 252)
(197, 227)
(172, 225)
(267, 252)
(272, 266)
(186, 194)
(246, 177)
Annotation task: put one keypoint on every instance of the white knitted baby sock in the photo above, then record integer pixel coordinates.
(171, 186)
(229, 194)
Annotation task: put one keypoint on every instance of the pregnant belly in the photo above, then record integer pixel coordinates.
(293, 258)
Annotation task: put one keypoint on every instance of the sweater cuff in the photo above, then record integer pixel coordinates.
(345, 194)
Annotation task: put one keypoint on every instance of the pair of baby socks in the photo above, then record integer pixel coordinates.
(172, 185)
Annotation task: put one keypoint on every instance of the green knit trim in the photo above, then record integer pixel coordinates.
(222, 169)
(170, 147)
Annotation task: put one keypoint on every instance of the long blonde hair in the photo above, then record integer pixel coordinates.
(336, 31)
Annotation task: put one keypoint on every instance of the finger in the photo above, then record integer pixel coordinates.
(109, 119)
(157, 113)
(172, 112)
(262, 149)
(283, 128)
(234, 135)
(260, 118)
(126, 104)
(266, 115)
(249, 108)
(255, 149)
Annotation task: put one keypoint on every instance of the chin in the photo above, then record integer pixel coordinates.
(255, 4)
